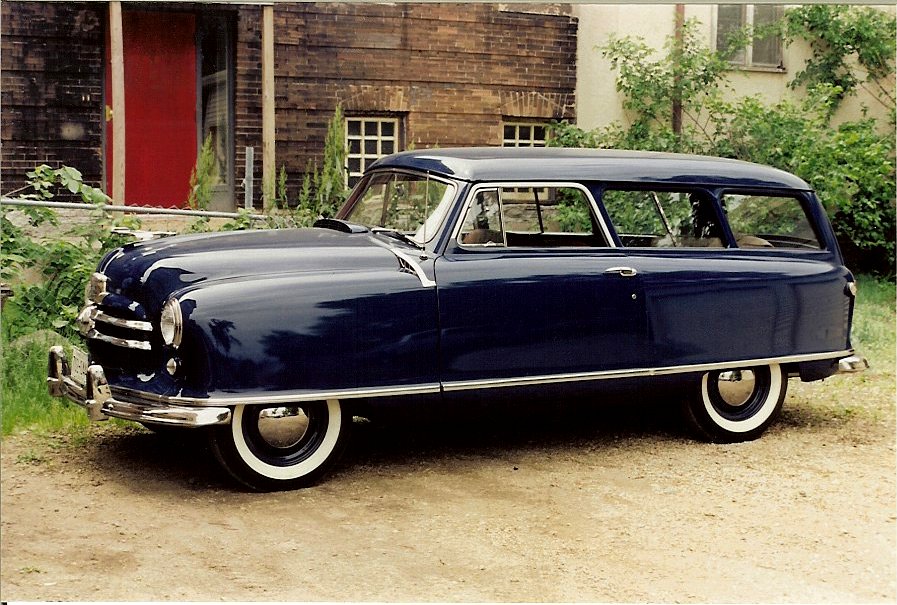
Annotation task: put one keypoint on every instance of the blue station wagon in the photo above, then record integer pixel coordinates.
(471, 272)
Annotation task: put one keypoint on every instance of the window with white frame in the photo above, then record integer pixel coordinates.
(764, 50)
(523, 134)
(367, 139)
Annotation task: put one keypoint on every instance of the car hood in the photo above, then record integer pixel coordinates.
(150, 271)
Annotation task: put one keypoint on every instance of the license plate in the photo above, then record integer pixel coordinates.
(79, 366)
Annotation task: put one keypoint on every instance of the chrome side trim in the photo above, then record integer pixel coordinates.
(414, 265)
(463, 385)
(133, 324)
(281, 397)
(286, 397)
(102, 399)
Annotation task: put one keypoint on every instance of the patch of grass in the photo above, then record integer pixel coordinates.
(26, 404)
(875, 324)
(30, 457)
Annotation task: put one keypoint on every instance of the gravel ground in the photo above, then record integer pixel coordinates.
(609, 503)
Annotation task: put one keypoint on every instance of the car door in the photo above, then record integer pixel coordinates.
(530, 291)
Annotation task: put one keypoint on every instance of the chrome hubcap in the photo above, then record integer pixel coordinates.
(736, 386)
(282, 427)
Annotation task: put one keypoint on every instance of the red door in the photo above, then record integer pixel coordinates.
(160, 107)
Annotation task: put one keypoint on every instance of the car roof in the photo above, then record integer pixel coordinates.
(517, 164)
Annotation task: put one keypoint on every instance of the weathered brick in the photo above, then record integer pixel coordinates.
(452, 72)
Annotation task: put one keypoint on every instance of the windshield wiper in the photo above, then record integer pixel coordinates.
(396, 234)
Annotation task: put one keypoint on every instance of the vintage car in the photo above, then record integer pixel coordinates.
(463, 272)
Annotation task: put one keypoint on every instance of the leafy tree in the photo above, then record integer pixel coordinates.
(852, 47)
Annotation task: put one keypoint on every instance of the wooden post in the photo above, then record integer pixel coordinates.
(116, 39)
(268, 107)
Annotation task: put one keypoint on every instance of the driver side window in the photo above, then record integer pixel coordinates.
(482, 225)
(534, 216)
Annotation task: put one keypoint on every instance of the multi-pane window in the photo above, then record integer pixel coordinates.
(368, 139)
(764, 50)
(521, 134)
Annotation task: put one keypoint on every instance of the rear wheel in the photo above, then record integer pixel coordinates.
(282, 447)
(734, 405)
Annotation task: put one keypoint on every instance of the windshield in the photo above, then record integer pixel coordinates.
(412, 204)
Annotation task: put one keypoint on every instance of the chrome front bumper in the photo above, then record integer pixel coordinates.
(96, 396)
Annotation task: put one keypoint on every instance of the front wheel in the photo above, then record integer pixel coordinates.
(729, 406)
(282, 447)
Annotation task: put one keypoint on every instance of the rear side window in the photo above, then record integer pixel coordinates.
(664, 219)
(764, 221)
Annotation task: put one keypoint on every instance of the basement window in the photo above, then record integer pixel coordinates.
(523, 134)
(367, 140)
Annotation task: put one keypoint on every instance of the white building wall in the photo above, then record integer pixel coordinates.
(599, 103)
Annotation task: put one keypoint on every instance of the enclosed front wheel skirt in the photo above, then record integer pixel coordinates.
(282, 447)
(734, 405)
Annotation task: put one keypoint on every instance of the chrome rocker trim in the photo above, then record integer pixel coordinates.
(102, 400)
(463, 385)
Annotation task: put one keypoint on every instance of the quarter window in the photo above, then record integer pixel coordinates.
(367, 140)
(664, 219)
(761, 221)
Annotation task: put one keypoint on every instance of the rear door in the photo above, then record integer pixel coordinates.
(746, 279)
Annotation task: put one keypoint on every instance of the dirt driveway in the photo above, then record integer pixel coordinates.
(609, 503)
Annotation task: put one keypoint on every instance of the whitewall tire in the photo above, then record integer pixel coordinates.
(282, 447)
(734, 405)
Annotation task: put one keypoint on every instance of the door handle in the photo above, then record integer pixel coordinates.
(621, 271)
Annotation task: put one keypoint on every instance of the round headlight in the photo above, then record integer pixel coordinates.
(171, 323)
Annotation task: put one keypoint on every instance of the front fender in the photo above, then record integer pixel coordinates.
(320, 332)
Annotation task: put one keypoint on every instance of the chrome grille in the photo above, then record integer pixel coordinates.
(114, 319)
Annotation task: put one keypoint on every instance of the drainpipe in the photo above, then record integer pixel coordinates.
(679, 40)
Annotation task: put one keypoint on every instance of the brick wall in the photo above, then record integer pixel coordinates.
(51, 77)
(453, 72)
